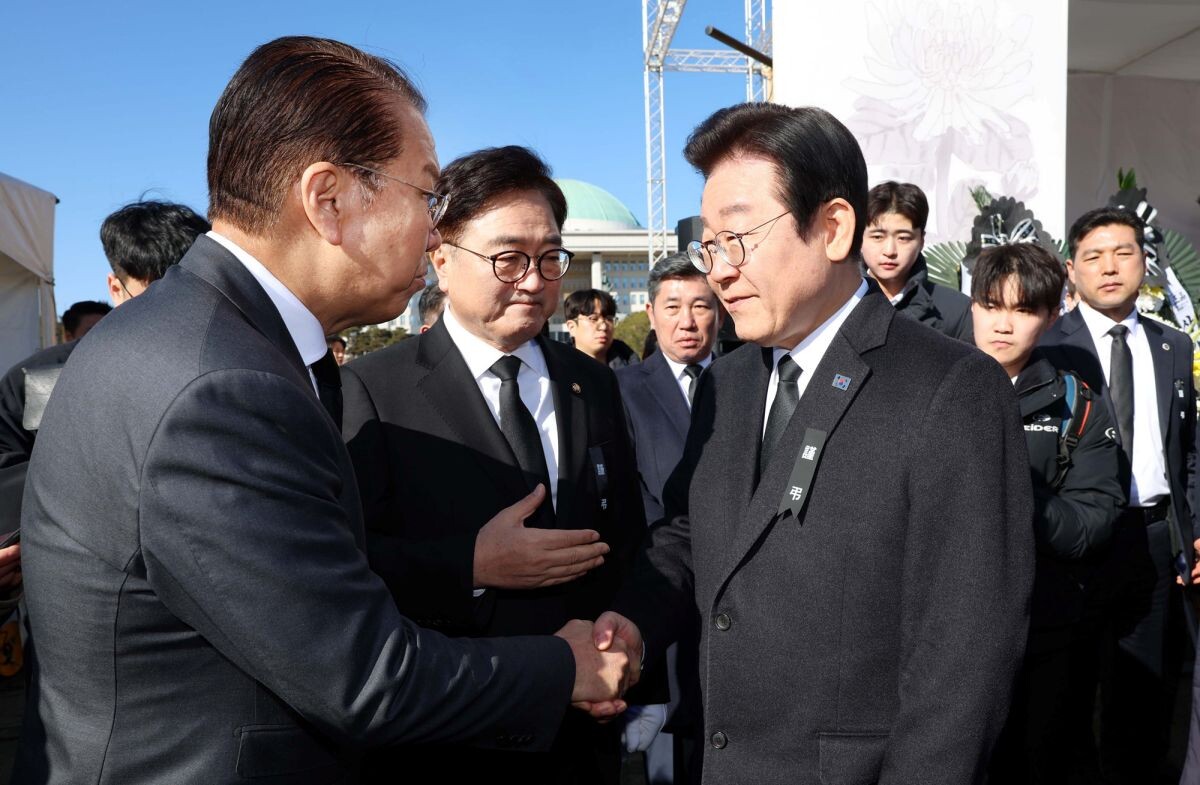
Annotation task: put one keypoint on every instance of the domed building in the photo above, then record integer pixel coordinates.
(610, 249)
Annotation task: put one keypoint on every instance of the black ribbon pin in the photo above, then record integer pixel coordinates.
(597, 456)
(795, 495)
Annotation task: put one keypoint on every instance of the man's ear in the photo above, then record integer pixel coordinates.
(837, 222)
(438, 257)
(328, 197)
(116, 292)
(1071, 272)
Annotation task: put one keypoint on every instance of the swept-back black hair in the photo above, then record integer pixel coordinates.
(476, 179)
(1038, 274)
(817, 157)
(1104, 216)
(143, 239)
(674, 266)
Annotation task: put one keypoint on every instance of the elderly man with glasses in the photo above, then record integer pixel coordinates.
(478, 413)
(852, 515)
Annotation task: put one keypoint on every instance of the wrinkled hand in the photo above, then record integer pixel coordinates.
(612, 630)
(10, 567)
(510, 556)
(600, 676)
(642, 725)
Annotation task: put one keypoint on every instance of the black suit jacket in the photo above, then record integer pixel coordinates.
(433, 467)
(1069, 344)
(875, 638)
(658, 418)
(200, 607)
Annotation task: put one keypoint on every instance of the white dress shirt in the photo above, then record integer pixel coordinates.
(681, 378)
(304, 328)
(533, 382)
(808, 353)
(1149, 483)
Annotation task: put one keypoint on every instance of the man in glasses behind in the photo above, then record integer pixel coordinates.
(590, 314)
(448, 428)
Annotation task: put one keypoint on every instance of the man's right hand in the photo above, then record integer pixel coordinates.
(510, 556)
(601, 677)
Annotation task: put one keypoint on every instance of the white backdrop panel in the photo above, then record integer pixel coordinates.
(949, 94)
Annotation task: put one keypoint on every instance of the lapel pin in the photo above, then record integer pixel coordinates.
(841, 381)
(1166, 347)
(575, 388)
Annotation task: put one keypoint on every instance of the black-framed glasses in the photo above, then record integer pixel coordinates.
(435, 203)
(512, 266)
(727, 246)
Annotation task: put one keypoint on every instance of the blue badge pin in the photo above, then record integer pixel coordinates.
(841, 381)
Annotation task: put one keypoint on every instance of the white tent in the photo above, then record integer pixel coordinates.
(27, 311)
(1133, 94)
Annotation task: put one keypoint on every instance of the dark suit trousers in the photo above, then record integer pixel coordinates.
(1133, 631)
(1035, 748)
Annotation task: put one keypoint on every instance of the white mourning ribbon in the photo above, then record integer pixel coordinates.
(1023, 232)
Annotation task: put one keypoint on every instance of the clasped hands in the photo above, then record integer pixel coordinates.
(608, 654)
(608, 661)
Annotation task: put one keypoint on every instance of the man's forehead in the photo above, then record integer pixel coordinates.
(1109, 236)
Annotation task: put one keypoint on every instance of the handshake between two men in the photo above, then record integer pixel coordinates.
(508, 555)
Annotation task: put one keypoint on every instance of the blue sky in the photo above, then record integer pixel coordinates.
(105, 102)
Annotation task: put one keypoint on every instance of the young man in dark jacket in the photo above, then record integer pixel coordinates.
(892, 244)
(1078, 494)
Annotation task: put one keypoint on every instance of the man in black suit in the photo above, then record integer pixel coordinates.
(852, 513)
(1144, 368)
(450, 426)
(685, 315)
(200, 606)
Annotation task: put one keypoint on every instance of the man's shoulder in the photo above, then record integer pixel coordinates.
(638, 374)
(1169, 333)
(946, 298)
(51, 355)
(386, 362)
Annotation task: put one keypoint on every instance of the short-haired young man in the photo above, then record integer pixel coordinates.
(81, 317)
(590, 315)
(143, 239)
(1073, 459)
(892, 244)
(1144, 369)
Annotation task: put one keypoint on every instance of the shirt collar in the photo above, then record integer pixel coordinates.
(304, 328)
(480, 356)
(677, 369)
(808, 353)
(1098, 324)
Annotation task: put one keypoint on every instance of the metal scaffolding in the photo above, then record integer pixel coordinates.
(660, 18)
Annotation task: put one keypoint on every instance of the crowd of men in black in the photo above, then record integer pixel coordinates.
(901, 535)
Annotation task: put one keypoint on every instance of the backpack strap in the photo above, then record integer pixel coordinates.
(1078, 398)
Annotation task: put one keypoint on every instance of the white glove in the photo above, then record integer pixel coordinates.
(642, 724)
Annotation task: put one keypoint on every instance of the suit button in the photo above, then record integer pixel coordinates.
(719, 740)
(723, 621)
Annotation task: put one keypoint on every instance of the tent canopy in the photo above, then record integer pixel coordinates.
(27, 311)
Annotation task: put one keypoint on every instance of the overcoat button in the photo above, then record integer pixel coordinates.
(719, 740)
(723, 621)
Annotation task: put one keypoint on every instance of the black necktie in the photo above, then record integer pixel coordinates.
(517, 425)
(787, 395)
(329, 386)
(1120, 386)
(693, 371)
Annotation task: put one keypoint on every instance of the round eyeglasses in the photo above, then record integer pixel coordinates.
(435, 203)
(727, 246)
(512, 266)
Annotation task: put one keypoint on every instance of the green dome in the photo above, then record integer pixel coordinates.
(592, 209)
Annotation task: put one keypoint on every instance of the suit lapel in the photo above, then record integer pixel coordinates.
(1160, 351)
(1075, 334)
(821, 408)
(450, 390)
(570, 411)
(666, 392)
